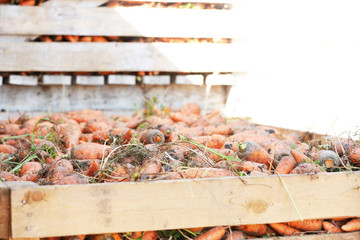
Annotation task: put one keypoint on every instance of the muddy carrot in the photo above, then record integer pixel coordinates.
(284, 230)
(122, 135)
(196, 229)
(149, 235)
(151, 136)
(30, 171)
(189, 119)
(7, 149)
(285, 165)
(2, 128)
(190, 108)
(69, 134)
(231, 145)
(352, 225)
(328, 158)
(90, 151)
(253, 229)
(249, 166)
(300, 157)
(354, 156)
(307, 225)
(251, 151)
(9, 177)
(219, 129)
(305, 168)
(113, 4)
(99, 39)
(166, 131)
(331, 228)
(214, 141)
(215, 233)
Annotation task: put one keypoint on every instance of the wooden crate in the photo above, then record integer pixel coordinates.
(20, 24)
(44, 211)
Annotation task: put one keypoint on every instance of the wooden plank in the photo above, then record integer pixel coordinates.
(171, 57)
(190, 79)
(141, 206)
(4, 210)
(148, 22)
(90, 80)
(23, 80)
(220, 79)
(56, 80)
(337, 236)
(157, 80)
(122, 79)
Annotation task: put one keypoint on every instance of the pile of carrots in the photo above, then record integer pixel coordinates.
(118, 3)
(160, 143)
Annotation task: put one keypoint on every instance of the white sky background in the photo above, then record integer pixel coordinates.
(303, 64)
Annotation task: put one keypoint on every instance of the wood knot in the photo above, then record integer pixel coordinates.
(257, 206)
(35, 196)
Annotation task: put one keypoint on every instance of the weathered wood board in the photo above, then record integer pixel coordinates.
(103, 21)
(139, 206)
(90, 57)
(4, 210)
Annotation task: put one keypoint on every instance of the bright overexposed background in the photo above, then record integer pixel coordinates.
(303, 65)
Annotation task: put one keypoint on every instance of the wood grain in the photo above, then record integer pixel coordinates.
(4, 211)
(103, 21)
(139, 206)
(90, 57)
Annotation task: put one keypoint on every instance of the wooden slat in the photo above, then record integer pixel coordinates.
(4, 211)
(148, 22)
(337, 236)
(139, 206)
(157, 80)
(56, 80)
(23, 80)
(118, 79)
(172, 57)
(194, 79)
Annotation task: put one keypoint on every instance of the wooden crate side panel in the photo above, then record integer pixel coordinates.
(147, 22)
(92, 3)
(127, 207)
(4, 211)
(90, 57)
(337, 236)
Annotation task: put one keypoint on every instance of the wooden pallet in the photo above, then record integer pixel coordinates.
(44, 211)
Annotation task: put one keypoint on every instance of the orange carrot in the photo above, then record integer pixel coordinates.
(253, 229)
(107, 236)
(352, 225)
(307, 225)
(86, 39)
(189, 119)
(99, 39)
(190, 108)
(134, 122)
(69, 134)
(215, 233)
(354, 156)
(285, 165)
(7, 149)
(113, 4)
(136, 235)
(90, 151)
(97, 124)
(94, 167)
(328, 158)
(62, 163)
(76, 237)
(165, 130)
(71, 38)
(222, 129)
(61, 176)
(149, 235)
(284, 230)
(151, 136)
(251, 151)
(305, 168)
(300, 157)
(2, 128)
(331, 228)
(231, 145)
(9, 177)
(213, 141)
(27, 3)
